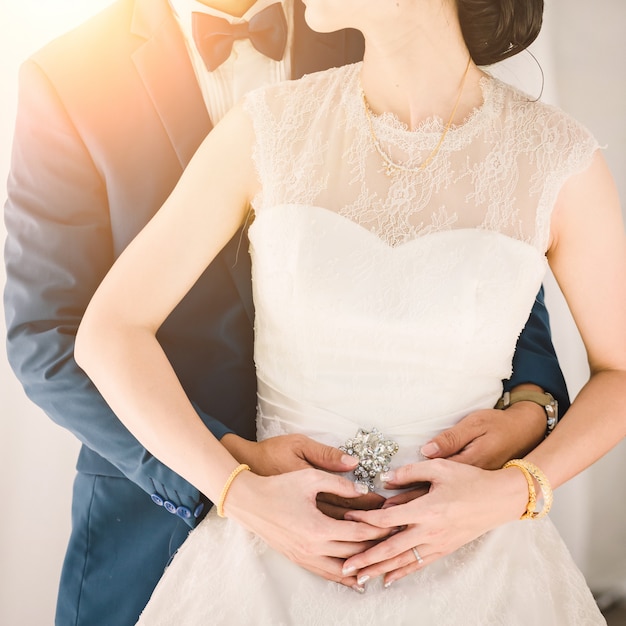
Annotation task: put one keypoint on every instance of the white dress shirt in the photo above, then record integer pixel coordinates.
(245, 69)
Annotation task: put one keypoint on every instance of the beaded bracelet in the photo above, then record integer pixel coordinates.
(531, 472)
(229, 482)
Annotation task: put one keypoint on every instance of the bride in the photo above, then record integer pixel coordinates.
(404, 209)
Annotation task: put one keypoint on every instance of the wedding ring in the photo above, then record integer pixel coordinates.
(419, 559)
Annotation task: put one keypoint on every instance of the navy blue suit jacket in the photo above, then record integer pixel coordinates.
(108, 117)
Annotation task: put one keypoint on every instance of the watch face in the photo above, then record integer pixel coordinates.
(552, 411)
(552, 408)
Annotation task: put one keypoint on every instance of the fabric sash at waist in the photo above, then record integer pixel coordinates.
(279, 415)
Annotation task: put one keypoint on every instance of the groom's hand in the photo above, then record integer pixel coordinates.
(289, 453)
(489, 438)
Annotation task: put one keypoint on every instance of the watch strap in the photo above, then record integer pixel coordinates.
(542, 398)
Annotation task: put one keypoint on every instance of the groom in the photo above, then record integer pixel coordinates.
(109, 115)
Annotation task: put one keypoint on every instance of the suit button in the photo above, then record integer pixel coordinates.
(183, 512)
(170, 507)
(157, 499)
(198, 510)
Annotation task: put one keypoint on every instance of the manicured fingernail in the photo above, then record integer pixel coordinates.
(361, 488)
(388, 477)
(346, 459)
(388, 584)
(359, 589)
(430, 449)
(346, 571)
(362, 579)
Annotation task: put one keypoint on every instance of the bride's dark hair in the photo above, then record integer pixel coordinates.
(496, 29)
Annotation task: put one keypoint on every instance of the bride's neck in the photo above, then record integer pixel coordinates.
(417, 72)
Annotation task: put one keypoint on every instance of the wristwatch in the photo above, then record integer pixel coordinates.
(542, 398)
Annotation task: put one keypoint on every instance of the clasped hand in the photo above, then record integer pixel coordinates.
(320, 520)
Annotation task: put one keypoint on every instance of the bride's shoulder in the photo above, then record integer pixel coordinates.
(545, 122)
(314, 89)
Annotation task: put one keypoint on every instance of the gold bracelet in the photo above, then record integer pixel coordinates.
(532, 471)
(532, 494)
(229, 482)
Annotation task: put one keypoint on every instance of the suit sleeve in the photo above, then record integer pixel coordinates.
(535, 359)
(59, 246)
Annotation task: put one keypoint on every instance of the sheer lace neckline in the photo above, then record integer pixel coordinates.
(499, 170)
(434, 124)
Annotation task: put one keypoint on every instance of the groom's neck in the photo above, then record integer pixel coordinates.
(233, 7)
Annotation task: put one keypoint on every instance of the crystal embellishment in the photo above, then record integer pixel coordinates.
(374, 453)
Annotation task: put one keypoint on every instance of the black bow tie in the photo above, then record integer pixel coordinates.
(214, 36)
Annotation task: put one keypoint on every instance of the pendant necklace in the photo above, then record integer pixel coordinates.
(390, 167)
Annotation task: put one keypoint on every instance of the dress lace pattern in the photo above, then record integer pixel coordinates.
(501, 170)
(392, 302)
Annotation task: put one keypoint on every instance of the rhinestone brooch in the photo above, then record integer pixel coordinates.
(374, 453)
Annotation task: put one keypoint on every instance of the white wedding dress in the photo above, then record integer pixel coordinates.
(392, 302)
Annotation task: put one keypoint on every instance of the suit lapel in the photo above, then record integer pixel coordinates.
(168, 76)
(166, 71)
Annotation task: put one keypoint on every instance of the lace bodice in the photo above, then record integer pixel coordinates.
(392, 302)
(396, 301)
(500, 170)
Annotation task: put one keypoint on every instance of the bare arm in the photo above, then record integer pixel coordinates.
(588, 258)
(116, 342)
(117, 347)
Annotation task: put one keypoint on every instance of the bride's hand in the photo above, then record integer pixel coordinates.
(282, 510)
(289, 453)
(463, 503)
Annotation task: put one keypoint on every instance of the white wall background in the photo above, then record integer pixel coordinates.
(36, 457)
(588, 40)
(581, 52)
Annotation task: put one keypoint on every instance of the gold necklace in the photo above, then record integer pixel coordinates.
(388, 164)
